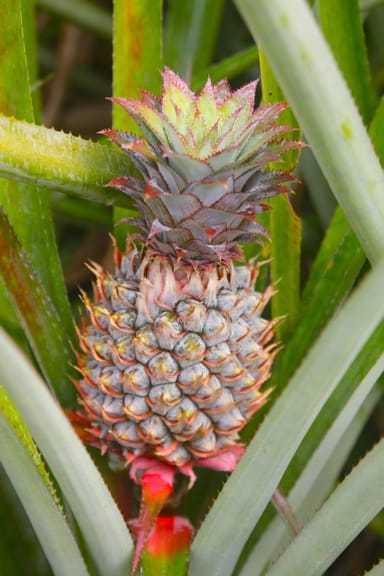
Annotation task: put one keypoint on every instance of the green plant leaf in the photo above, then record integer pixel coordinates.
(217, 546)
(334, 271)
(377, 130)
(338, 262)
(60, 162)
(365, 361)
(137, 62)
(28, 208)
(26, 470)
(137, 53)
(10, 413)
(319, 191)
(36, 312)
(18, 535)
(342, 27)
(191, 31)
(338, 522)
(227, 68)
(101, 523)
(311, 81)
(83, 13)
(284, 224)
(321, 472)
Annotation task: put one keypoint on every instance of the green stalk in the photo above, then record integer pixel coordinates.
(167, 549)
(309, 77)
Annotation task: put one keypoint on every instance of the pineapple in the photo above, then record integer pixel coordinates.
(175, 349)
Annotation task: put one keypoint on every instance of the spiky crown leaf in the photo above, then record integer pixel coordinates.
(204, 166)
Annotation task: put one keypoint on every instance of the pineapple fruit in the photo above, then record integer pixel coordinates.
(175, 349)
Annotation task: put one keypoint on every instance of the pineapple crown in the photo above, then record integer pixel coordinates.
(203, 160)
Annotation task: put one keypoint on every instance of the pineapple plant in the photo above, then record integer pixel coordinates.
(175, 349)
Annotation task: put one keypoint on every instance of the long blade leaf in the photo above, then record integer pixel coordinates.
(60, 162)
(342, 26)
(101, 523)
(311, 81)
(36, 312)
(285, 225)
(338, 522)
(137, 62)
(190, 34)
(28, 207)
(321, 471)
(24, 470)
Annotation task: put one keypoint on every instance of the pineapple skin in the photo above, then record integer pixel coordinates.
(173, 358)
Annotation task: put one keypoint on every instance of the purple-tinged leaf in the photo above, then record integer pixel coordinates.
(181, 207)
(192, 168)
(209, 193)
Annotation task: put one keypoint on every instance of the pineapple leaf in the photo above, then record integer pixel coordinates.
(260, 470)
(192, 168)
(83, 13)
(10, 413)
(28, 208)
(334, 271)
(25, 469)
(191, 30)
(284, 226)
(102, 526)
(321, 471)
(226, 68)
(36, 312)
(60, 162)
(360, 369)
(137, 59)
(338, 522)
(338, 262)
(292, 41)
(342, 26)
